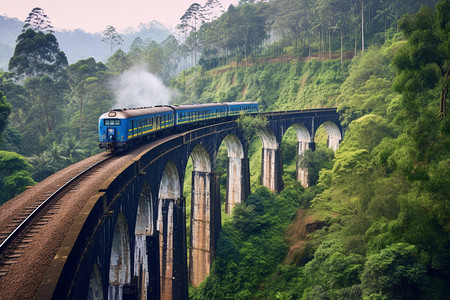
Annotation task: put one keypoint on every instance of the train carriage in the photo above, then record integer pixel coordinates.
(193, 113)
(236, 108)
(119, 128)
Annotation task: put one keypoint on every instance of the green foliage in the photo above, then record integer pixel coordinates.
(366, 133)
(14, 175)
(5, 110)
(424, 62)
(315, 161)
(368, 88)
(394, 273)
(37, 54)
(333, 269)
(250, 125)
(275, 86)
(249, 245)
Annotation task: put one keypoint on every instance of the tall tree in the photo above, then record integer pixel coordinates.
(384, 16)
(37, 54)
(48, 97)
(112, 37)
(212, 10)
(41, 65)
(38, 21)
(191, 21)
(79, 77)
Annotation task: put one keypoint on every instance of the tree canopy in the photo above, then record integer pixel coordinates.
(37, 54)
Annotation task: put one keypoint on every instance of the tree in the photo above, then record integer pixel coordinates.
(393, 273)
(424, 62)
(38, 21)
(190, 22)
(17, 97)
(5, 110)
(37, 54)
(118, 62)
(47, 97)
(332, 268)
(251, 125)
(212, 10)
(171, 52)
(385, 15)
(14, 175)
(112, 37)
(314, 161)
(79, 75)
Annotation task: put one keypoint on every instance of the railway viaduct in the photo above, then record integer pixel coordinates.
(129, 242)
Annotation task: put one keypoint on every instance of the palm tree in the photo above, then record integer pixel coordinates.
(384, 15)
(72, 149)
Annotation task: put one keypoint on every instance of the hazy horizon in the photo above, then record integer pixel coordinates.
(84, 14)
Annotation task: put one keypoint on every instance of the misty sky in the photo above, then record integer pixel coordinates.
(95, 15)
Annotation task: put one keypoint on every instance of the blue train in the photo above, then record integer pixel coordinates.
(120, 129)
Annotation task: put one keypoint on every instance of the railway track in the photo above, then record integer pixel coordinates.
(28, 223)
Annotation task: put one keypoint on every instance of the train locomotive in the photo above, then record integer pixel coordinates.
(121, 129)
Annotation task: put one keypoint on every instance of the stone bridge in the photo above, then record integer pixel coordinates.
(129, 242)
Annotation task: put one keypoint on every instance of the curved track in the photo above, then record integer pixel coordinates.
(26, 222)
(55, 203)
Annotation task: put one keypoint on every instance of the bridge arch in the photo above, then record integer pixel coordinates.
(268, 138)
(334, 135)
(169, 187)
(271, 164)
(120, 262)
(303, 144)
(236, 165)
(201, 160)
(169, 193)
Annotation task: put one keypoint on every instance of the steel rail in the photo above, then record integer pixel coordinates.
(38, 209)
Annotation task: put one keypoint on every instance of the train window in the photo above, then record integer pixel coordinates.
(109, 122)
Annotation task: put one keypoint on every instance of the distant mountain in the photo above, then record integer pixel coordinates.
(77, 44)
(9, 30)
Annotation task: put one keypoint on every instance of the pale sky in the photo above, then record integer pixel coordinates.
(94, 15)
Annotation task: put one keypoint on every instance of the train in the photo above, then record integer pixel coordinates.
(122, 129)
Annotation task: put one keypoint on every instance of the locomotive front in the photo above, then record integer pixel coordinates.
(112, 128)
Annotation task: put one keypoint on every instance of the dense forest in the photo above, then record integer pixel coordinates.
(374, 223)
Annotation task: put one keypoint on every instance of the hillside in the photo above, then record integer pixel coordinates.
(279, 85)
(376, 224)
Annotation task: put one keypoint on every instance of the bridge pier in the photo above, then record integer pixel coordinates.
(153, 251)
(238, 173)
(302, 173)
(238, 182)
(272, 169)
(205, 214)
(172, 244)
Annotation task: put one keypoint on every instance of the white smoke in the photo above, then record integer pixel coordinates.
(137, 87)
